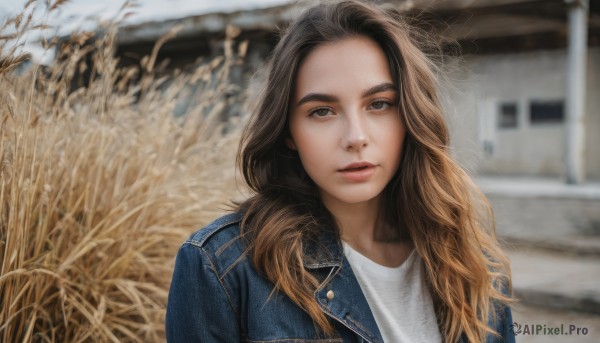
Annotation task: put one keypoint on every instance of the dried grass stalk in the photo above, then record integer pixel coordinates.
(99, 185)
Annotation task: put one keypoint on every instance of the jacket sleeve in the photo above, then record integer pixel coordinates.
(198, 308)
(509, 336)
(504, 319)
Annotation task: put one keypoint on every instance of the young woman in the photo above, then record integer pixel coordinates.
(362, 228)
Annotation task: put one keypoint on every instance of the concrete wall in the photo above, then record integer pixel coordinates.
(480, 83)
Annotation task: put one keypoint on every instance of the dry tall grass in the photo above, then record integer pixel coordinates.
(98, 188)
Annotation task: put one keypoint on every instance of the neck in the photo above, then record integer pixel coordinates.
(356, 222)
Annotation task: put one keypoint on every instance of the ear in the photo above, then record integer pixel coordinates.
(290, 143)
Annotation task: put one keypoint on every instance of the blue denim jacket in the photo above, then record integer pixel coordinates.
(217, 295)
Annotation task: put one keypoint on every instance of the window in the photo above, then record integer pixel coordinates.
(546, 112)
(508, 118)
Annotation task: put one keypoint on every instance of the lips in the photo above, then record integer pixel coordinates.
(358, 172)
(357, 166)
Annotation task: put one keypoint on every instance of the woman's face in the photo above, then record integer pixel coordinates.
(344, 122)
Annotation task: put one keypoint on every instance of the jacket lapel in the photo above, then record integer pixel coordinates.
(342, 299)
(340, 295)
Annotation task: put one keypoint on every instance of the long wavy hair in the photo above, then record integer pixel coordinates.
(430, 201)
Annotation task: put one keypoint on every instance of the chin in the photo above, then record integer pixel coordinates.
(356, 196)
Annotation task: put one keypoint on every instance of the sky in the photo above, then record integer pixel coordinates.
(84, 14)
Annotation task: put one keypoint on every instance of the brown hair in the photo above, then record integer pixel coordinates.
(430, 200)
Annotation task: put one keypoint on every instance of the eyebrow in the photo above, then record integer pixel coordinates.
(330, 98)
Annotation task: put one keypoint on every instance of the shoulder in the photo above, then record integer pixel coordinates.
(218, 243)
(222, 228)
(207, 263)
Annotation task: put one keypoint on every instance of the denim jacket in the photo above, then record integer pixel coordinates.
(217, 295)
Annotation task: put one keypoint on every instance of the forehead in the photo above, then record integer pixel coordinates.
(350, 64)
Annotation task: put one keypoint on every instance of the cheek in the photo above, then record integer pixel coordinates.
(392, 138)
(398, 137)
(312, 146)
(312, 151)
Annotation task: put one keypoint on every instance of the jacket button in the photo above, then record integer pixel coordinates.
(330, 295)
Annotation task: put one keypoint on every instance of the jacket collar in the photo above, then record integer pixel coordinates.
(340, 295)
(323, 251)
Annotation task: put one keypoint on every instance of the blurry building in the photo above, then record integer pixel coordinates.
(506, 98)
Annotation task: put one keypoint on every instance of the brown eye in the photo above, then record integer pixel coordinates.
(320, 112)
(380, 105)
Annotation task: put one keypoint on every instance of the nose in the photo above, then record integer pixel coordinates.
(355, 136)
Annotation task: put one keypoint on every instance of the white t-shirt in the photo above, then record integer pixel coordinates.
(398, 297)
